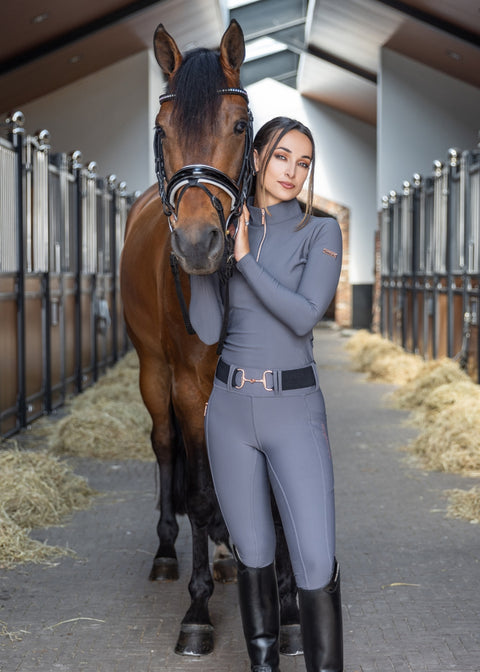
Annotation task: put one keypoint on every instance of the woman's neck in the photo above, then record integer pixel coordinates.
(259, 200)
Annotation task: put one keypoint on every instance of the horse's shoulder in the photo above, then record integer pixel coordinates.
(149, 196)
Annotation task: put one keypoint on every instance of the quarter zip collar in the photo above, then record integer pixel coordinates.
(287, 211)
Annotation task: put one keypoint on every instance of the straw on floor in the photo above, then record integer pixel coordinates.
(108, 420)
(37, 490)
(444, 404)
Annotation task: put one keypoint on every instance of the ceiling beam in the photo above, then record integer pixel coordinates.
(75, 35)
(432, 20)
(340, 63)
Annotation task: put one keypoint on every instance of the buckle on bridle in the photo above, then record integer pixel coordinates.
(244, 379)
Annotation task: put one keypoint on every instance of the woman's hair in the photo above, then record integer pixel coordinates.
(269, 135)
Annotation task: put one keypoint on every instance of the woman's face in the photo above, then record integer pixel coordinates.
(286, 171)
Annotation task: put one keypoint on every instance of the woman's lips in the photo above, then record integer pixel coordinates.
(287, 185)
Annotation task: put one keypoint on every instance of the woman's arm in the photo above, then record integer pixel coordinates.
(302, 309)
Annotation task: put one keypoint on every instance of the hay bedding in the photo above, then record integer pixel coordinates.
(37, 490)
(381, 359)
(464, 504)
(414, 395)
(108, 420)
(445, 404)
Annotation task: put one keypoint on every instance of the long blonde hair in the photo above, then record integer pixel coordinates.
(269, 135)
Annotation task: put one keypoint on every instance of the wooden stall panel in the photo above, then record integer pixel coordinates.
(57, 346)
(109, 288)
(420, 317)
(8, 354)
(441, 323)
(408, 317)
(68, 309)
(103, 326)
(472, 362)
(87, 329)
(34, 346)
(428, 324)
(457, 317)
(122, 338)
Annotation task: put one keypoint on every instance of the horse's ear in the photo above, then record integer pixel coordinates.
(167, 53)
(232, 48)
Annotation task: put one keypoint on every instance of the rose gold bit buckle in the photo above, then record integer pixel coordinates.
(262, 380)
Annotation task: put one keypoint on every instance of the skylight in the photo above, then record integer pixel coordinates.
(264, 46)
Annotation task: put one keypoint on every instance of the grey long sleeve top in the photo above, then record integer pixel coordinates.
(278, 292)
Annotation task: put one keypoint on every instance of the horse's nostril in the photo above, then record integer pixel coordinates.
(198, 251)
(215, 241)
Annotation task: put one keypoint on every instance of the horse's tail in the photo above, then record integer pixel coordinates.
(179, 470)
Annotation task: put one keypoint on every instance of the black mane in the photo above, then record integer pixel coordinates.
(195, 85)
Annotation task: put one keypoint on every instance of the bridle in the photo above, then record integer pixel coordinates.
(200, 175)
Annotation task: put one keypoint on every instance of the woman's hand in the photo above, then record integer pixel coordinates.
(242, 246)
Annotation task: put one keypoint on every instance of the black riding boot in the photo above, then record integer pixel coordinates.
(321, 623)
(260, 610)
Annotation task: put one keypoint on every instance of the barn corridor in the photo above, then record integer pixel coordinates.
(410, 576)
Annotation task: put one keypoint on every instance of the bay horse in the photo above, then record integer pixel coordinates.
(203, 160)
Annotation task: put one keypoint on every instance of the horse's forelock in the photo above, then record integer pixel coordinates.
(195, 85)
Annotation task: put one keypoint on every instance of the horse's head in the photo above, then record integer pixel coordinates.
(203, 146)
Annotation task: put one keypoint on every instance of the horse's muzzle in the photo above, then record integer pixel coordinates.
(198, 252)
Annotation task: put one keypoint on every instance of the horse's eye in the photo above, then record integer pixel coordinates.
(160, 131)
(240, 127)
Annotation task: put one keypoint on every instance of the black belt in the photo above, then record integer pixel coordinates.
(291, 379)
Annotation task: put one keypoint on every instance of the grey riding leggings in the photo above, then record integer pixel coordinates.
(256, 438)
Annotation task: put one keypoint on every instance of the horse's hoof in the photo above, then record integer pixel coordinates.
(291, 640)
(164, 569)
(225, 570)
(194, 640)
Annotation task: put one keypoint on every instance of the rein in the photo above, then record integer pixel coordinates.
(200, 175)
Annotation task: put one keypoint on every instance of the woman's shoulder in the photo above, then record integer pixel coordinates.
(320, 225)
(324, 234)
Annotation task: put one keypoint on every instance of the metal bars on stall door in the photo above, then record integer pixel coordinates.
(61, 232)
(430, 262)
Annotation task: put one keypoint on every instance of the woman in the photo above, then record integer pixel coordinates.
(265, 421)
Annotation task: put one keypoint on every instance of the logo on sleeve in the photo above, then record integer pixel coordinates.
(330, 253)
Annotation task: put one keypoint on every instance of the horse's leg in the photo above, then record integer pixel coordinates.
(155, 389)
(224, 565)
(290, 635)
(168, 453)
(196, 632)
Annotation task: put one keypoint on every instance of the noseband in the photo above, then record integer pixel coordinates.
(200, 175)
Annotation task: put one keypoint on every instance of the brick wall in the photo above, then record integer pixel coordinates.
(343, 297)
